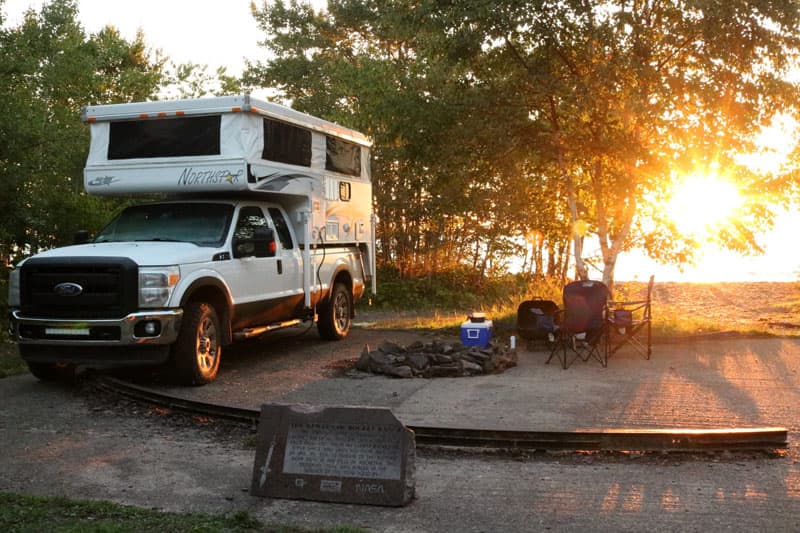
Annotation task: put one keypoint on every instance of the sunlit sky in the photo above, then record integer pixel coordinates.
(218, 33)
(223, 33)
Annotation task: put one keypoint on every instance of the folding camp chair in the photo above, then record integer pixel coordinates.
(582, 329)
(630, 323)
(536, 322)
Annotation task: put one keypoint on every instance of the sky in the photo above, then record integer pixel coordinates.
(223, 33)
(214, 33)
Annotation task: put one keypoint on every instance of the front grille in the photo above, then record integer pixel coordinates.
(109, 287)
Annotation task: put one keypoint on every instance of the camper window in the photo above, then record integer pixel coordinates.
(285, 143)
(343, 156)
(172, 137)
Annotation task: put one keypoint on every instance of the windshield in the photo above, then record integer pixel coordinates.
(204, 224)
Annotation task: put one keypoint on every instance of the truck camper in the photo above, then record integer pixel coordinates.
(265, 221)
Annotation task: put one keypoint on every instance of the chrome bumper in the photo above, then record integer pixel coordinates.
(95, 332)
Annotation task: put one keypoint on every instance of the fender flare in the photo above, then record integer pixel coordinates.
(219, 295)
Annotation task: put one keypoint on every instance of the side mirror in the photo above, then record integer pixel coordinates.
(81, 237)
(261, 244)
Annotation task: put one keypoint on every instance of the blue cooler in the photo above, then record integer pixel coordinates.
(476, 331)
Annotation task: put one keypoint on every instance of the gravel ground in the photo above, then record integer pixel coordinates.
(68, 440)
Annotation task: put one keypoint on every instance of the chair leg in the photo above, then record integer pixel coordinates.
(559, 344)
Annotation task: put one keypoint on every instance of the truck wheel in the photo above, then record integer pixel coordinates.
(197, 351)
(335, 313)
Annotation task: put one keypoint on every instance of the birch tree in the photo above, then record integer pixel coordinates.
(610, 100)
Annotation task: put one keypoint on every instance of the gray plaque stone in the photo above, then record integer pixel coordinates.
(337, 454)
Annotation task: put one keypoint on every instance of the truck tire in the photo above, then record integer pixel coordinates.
(335, 314)
(197, 351)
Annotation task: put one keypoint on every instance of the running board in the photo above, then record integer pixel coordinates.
(249, 333)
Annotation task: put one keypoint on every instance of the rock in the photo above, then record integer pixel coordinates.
(471, 368)
(478, 355)
(447, 349)
(416, 346)
(441, 371)
(440, 359)
(418, 361)
(401, 371)
(380, 362)
(468, 358)
(435, 359)
(390, 347)
(363, 361)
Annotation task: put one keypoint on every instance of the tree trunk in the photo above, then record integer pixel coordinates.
(581, 271)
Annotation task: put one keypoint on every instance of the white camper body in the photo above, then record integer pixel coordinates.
(267, 221)
(327, 205)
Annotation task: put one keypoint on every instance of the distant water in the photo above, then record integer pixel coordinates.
(780, 261)
(716, 266)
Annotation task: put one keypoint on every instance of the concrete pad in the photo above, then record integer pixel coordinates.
(710, 384)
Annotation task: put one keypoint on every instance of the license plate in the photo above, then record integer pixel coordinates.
(78, 332)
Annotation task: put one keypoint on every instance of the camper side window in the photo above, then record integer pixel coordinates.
(172, 137)
(285, 143)
(342, 156)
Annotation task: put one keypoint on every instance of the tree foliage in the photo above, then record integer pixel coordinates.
(49, 69)
(496, 119)
(446, 173)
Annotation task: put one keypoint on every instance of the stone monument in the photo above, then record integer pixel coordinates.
(336, 454)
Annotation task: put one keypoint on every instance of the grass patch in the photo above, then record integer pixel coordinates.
(500, 300)
(34, 514)
(11, 364)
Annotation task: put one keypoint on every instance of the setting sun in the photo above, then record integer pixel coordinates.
(700, 203)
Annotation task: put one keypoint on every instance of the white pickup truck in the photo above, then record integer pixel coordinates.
(264, 220)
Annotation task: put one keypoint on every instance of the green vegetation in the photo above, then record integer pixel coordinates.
(506, 131)
(49, 69)
(442, 303)
(457, 289)
(10, 362)
(20, 514)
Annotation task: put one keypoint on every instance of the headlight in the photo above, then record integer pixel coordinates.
(13, 288)
(156, 285)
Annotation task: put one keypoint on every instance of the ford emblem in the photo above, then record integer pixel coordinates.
(68, 289)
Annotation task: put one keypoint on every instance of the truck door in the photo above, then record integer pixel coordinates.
(259, 287)
(289, 253)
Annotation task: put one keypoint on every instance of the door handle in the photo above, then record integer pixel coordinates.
(280, 266)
